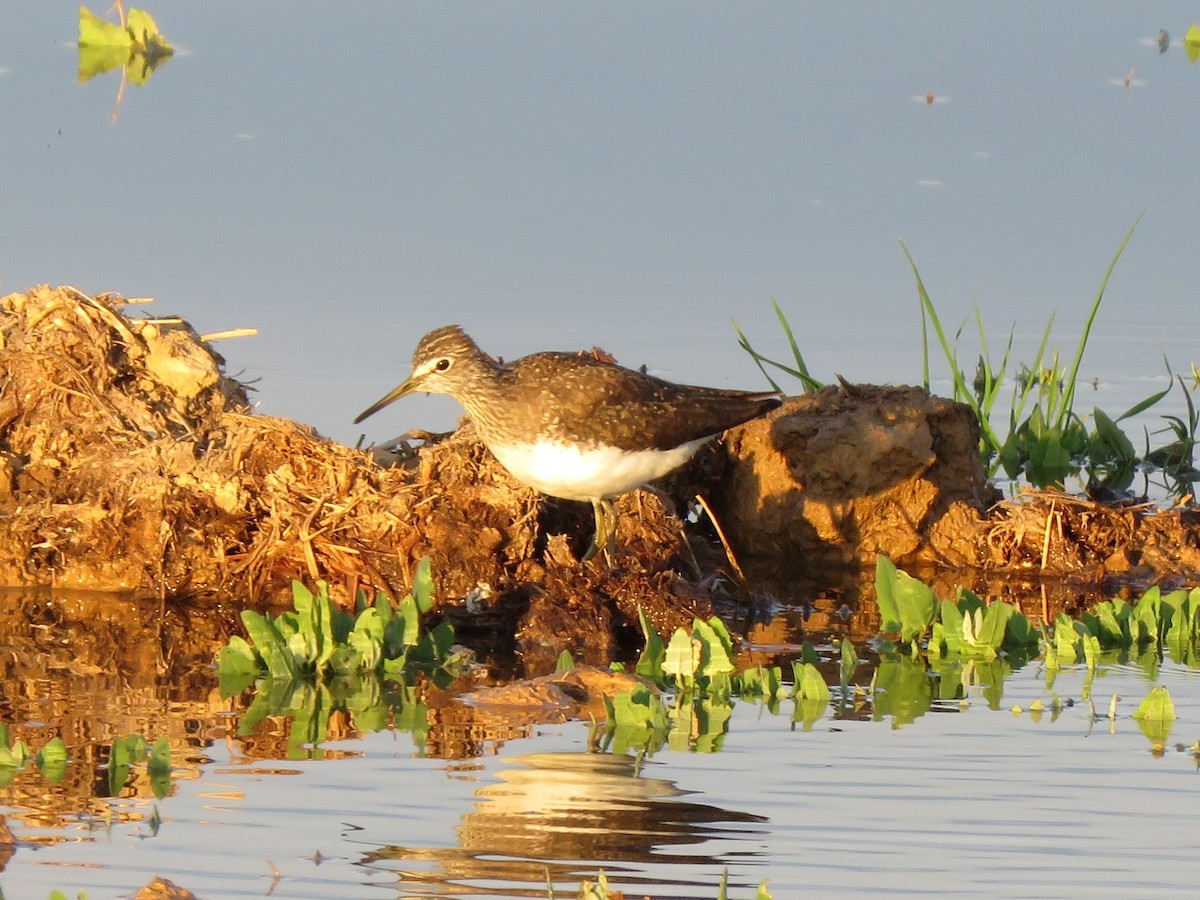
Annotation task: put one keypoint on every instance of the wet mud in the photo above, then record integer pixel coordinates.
(129, 461)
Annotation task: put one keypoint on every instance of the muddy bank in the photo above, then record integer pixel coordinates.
(130, 461)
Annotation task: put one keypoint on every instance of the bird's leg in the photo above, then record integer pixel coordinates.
(597, 534)
(605, 535)
(610, 510)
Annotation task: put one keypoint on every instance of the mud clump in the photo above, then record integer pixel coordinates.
(838, 476)
(130, 461)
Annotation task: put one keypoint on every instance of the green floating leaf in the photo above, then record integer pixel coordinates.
(144, 33)
(1155, 715)
(650, 663)
(904, 598)
(55, 751)
(97, 32)
(809, 683)
(682, 658)
(422, 588)
(159, 768)
(1157, 706)
(847, 663)
(1191, 42)
(716, 648)
(270, 644)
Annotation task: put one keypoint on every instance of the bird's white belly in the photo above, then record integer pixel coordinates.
(578, 473)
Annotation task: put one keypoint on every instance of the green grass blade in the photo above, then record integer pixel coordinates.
(787, 330)
(1069, 398)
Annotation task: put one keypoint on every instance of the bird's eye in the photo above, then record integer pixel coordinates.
(442, 364)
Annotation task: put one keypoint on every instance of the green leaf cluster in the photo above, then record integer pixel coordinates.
(51, 759)
(1046, 440)
(132, 750)
(966, 627)
(319, 639)
(137, 45)
(317, 659)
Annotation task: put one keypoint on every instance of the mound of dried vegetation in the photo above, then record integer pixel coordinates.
(130, 461)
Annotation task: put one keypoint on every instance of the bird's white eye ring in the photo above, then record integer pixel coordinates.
(442, 364)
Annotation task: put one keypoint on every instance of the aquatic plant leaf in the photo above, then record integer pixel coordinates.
(1091, 649)
(953, 627)
(54, 751)
(52, 760)
(146, 37)
(994, 625)
(97, 32)
(639, 707)
(1109, 441)
(14, 756)
(905, 603)
(847, 663)
(1065, 639)
(370, 623)
(367, 647)
(1191, 43)
(404, 630)
(917, 605)
(160, 756)
(885, 579)
(715, 648)
(422, 587)
(159, 768)
(650, 662)
(1102, 621)
(1147, 613)
(270, 644)
(682, 657)
(124, 753)
(1157, 705)
(237, 657)
(1155, 715)
(97, 59)
(809, 685)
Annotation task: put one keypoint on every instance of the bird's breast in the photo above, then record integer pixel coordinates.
(583, 472)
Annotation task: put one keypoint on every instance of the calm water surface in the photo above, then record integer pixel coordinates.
(628, 175)
(969, 797)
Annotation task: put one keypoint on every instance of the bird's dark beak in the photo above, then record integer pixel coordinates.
(407, 388)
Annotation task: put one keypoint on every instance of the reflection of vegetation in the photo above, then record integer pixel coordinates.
(135, 46)
(696, 670)
(319, 659)
(968, 628)
(322, 640)
(133, 750)
(988, 641)
(51, 759)
(599, 889)
(125, 753)
(1046, 439)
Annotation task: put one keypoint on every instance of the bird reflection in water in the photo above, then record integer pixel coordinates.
(563, 815)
